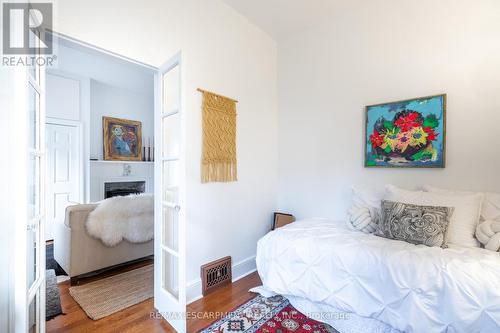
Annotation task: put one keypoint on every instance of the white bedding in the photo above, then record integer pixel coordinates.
(411, 288)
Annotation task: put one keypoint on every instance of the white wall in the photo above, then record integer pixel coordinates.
(111, 101)
(222, 52)
(117, 89)
(84, 61)
(100, 85)
(381, 51)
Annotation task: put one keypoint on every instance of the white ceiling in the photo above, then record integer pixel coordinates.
(280, 18)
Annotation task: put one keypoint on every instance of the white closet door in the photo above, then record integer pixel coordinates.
(63, 173)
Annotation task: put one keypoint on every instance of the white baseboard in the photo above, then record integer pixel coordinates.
(193, 291)
(240, 270)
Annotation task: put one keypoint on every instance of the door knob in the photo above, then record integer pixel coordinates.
(31, 227)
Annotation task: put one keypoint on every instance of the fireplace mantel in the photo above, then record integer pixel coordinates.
(108, 171)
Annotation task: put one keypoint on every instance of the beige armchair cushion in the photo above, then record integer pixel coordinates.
(78, 214)
(78, 253)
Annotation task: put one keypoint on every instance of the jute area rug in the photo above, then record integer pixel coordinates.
(104, 297)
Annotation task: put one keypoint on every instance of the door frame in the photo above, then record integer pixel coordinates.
(64, 37)
(42, 155)
(83, 122)
(176, 57)
(25, 293)
(17, 186)
(16, 204)
(16, 165)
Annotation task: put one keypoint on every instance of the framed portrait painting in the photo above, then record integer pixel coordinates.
(406, 134)
(122, 139)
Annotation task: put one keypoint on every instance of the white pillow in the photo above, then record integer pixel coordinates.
(491, 202)
(367, 197)
(364, 213)
(465, 217)
(491, 206)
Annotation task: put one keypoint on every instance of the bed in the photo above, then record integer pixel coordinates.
(364, 283)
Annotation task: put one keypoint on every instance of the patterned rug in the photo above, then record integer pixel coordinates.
(52, 296)
(50, 262)
(267, 315)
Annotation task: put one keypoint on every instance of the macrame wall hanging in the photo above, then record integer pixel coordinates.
(218, 162)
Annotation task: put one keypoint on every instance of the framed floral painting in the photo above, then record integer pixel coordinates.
(122, 139)
(406, 134)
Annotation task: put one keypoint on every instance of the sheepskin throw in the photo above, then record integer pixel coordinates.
(219, 139)
(118, 218)
(488, 233)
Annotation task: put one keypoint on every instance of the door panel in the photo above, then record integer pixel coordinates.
(34, 250)
(171, 171)
(63, 172)
(170, 228)
(32, 319)
(171, 135)
(170, 294)
(34, 314)
(34, 117)
(33, 187)
(170, 281)
(32, 268)
(171, 90)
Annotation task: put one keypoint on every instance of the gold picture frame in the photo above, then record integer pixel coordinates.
(122, 139)
(282, 219)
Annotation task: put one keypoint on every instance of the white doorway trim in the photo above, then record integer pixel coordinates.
(99, 49)
(174, 60)
(84, 123)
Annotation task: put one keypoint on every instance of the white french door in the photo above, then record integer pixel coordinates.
(170, 215)
(35, 240)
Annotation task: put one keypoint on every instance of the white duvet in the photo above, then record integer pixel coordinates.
(411, 288)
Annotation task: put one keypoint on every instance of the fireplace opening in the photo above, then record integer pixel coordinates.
(114, 189)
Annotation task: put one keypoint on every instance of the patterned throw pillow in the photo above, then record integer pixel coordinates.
(414, 224)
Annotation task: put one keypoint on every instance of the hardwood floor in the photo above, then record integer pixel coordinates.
(135, 319)
(203, 312)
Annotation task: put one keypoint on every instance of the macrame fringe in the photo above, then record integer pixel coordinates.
(219, 172)
(219, 139)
